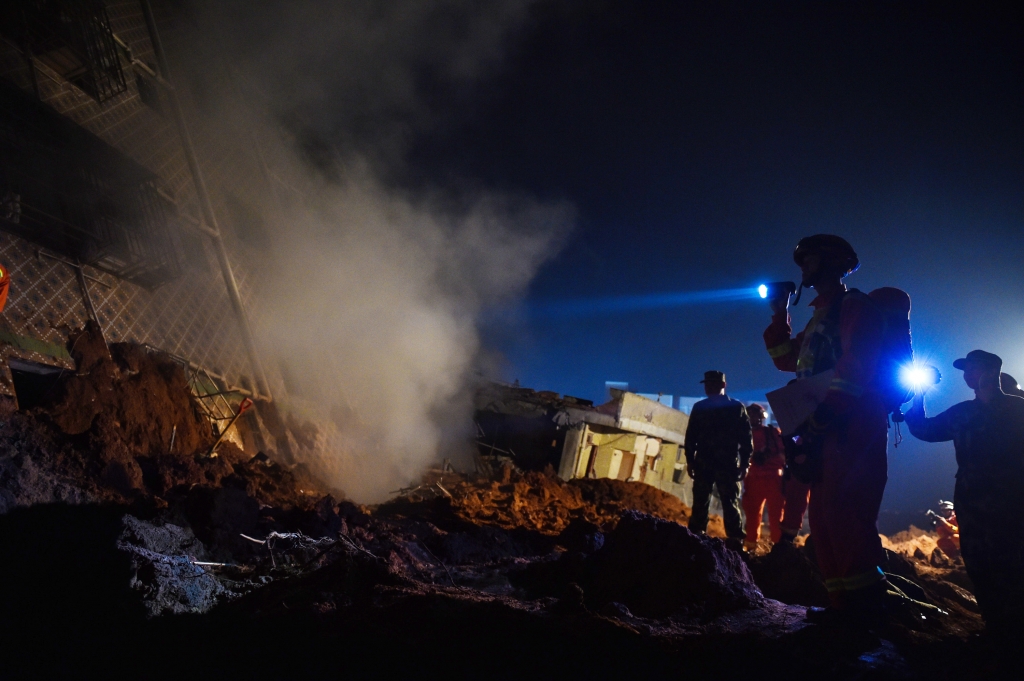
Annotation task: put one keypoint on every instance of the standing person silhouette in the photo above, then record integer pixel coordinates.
(718, 446)
(843, 444)
(988, 435)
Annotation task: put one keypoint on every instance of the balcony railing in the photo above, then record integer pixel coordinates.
(67, 190)
(71, 37)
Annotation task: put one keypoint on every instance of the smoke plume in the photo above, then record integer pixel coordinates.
(372, 289)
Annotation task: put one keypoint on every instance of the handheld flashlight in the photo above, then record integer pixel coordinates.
(916, 377)
(776, 289)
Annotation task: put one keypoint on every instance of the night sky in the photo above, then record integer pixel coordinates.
(700, 141)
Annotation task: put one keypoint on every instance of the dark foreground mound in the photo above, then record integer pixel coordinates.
(658, 568)
(648, 567)
(378, 601)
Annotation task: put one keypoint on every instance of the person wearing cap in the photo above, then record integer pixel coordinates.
(763, 484)
(988, 437)
(842, 450)
(718, 445)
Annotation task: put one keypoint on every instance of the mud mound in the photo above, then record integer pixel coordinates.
(612, 497)
(125, 428)
(127, 398)
(608, 494)
(533, 501)
(131, 420)
(789, 574)
(913, 542)
(255, 499)
(539, 502)
(658, 568)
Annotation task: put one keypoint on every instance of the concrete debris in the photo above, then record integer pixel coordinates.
(166, 574)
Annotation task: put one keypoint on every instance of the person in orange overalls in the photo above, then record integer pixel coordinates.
(844, 441)
(5, 285)
(796, 496)
(763, 484)
(948, 529)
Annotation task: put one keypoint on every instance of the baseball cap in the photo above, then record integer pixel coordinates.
(979, 357)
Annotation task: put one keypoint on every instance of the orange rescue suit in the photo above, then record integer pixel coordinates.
(5, 285)
(949, 535)
(763, 485)
(845, 501)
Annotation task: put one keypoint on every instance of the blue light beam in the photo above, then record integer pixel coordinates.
(652, 301)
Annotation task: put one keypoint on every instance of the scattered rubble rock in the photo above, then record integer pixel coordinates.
(164, 557)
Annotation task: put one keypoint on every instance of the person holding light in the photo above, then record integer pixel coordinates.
(988, 436)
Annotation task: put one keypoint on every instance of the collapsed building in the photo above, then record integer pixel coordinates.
(629, 438)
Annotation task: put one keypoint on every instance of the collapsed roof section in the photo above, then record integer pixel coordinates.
(628, 438)
(626, 410)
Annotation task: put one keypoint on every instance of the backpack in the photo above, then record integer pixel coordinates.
(897, 348)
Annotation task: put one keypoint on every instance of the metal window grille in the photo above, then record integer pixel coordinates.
(67, 190)
(72, 37)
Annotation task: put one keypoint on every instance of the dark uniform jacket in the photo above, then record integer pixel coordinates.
(718, 436)
(989, 442)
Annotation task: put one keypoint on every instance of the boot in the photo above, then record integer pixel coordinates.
(837, 614)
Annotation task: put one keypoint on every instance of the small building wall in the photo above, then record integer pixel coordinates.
(642, 442)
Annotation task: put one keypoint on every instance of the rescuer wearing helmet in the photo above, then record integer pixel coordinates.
(763, 484)
(842, 446)
(718, 446)
(988, 435)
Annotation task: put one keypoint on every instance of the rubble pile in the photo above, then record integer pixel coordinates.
(104, 432)
(124, 428)
(542, 502)
(119, 549)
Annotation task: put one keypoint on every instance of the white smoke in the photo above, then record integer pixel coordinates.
(374, 292)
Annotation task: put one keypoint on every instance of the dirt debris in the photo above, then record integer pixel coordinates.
(123, 549)
(127, 400)
(542, 502)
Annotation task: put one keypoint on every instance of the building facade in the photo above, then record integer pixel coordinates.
(101, 214)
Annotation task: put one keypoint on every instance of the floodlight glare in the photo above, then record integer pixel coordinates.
(919, 376)
(762, 291)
